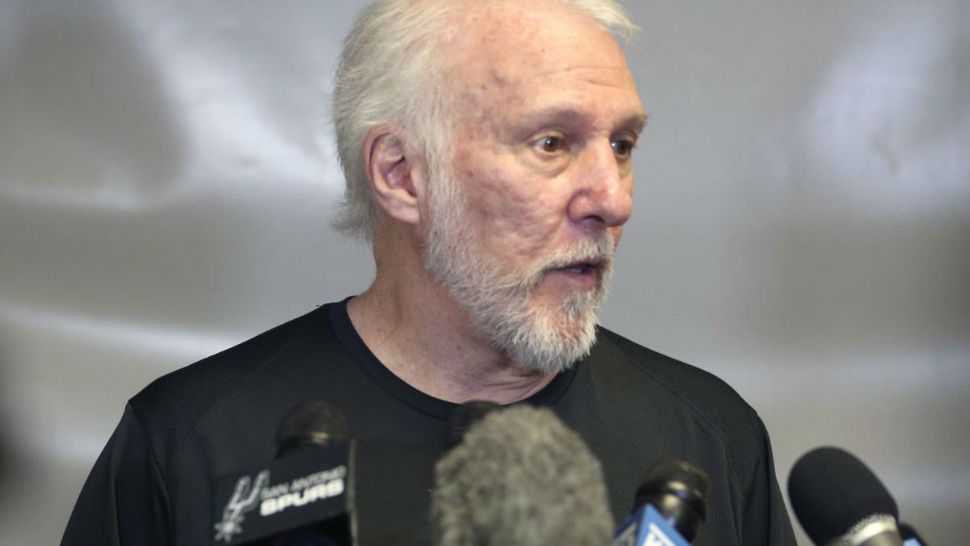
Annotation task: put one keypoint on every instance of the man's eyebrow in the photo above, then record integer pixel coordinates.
(636, 123)
(552, 114)
(572, 116)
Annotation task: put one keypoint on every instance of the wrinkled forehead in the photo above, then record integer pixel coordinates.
(497, 42)
(504, 60)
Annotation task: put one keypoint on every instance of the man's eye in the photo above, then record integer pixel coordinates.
(623, 148)
(551, 143)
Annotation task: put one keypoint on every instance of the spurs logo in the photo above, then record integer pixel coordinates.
(244, 498)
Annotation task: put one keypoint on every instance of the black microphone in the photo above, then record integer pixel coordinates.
(839, 501)
(670, 504)
(303, 497)
(519, 476)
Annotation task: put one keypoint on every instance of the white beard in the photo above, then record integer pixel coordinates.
(500, 302)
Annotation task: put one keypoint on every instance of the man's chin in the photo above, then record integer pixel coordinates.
(551, 342)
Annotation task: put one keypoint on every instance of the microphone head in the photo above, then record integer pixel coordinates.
(311, 423)
(466, 415)
(831, 491)
(519, 476)
(679, 491)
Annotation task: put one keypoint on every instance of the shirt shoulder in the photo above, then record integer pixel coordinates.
(709, 395)
(655, 383)
(171, 407)
(655, 406)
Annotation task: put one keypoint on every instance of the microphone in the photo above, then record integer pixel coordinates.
(303, 497)
(519, 477)
(840, 502)
(669, 506)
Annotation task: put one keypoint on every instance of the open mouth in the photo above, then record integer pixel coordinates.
(584, 267)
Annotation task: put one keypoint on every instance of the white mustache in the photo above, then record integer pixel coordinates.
(599, 251)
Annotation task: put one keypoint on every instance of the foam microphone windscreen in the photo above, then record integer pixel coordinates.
(520, 477)
(832, 491)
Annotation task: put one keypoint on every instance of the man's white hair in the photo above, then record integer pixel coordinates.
(389, 73)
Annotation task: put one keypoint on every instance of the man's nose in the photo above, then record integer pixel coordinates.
(604, 191)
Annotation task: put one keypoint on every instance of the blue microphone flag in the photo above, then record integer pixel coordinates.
(646, 527)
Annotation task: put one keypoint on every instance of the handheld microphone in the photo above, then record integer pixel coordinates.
(519, 477)
(669, 506)
(840, 502)
(304, 497)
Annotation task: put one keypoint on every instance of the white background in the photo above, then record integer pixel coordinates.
(801, 226)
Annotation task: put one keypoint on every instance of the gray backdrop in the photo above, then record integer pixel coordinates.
(802, 221)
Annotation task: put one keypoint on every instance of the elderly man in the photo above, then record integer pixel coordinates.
(487, 150)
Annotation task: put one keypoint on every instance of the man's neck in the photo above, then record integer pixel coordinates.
(425, 338)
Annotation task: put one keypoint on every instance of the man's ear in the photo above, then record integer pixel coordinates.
(397, 173)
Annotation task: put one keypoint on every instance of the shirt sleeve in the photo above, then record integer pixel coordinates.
(124, 500)
(766, 519)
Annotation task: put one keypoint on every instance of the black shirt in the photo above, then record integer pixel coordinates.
(152, 484)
